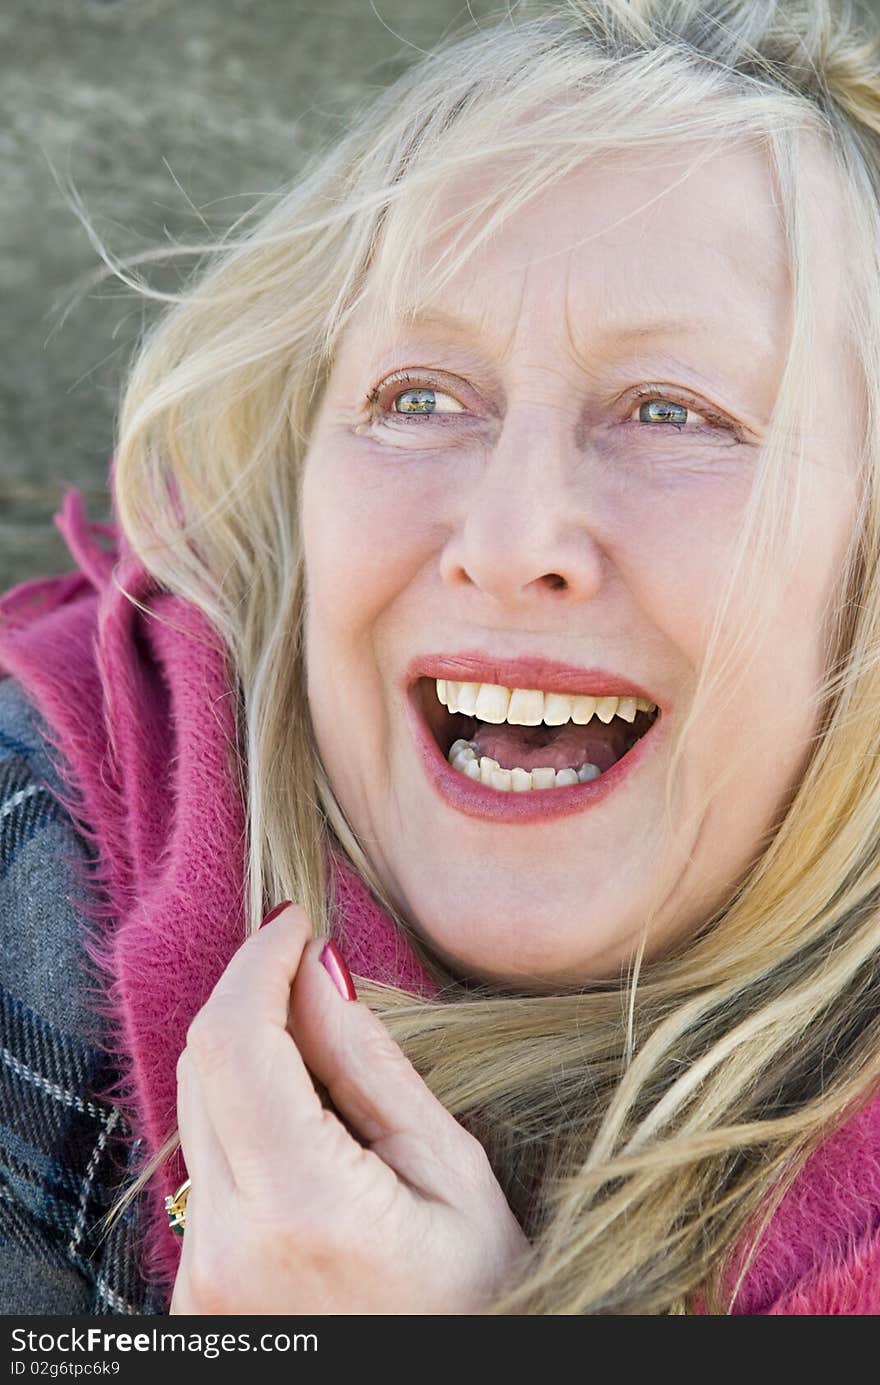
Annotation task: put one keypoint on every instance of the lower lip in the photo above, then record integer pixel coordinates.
(475, 800)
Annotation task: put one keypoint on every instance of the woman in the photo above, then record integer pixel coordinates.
(499, 517)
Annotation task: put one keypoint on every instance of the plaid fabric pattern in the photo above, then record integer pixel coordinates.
(65, 1154)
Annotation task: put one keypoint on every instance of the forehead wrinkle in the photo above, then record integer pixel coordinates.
(726, 321)
(642, 328)
(434, 320)
(625, 335)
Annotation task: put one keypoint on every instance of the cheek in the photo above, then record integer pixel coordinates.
(365, 539)
(671, 546)
(365, 531)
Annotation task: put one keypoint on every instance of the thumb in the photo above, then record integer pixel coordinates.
(375, 1087)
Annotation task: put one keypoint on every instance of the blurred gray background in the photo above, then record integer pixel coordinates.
(159, 112)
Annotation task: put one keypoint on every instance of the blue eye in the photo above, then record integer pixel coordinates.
(420, 400)
(415, 402)
(658, 408)
(662, 411)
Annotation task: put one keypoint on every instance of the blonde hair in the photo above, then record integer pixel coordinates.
(661, 1114)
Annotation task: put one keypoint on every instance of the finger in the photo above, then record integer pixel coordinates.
(376, 1089)
(204, 1156)
(212, 1195)
(256, 1089)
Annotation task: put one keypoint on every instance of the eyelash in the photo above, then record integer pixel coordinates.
(643, 395)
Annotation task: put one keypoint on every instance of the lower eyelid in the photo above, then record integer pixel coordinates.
(448, 416)
(710, 422)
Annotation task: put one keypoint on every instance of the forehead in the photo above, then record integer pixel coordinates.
(629, 249)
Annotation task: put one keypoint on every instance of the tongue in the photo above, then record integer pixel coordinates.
(560, 747)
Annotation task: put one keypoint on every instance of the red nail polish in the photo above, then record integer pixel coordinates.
(276, 911)
(339, 972)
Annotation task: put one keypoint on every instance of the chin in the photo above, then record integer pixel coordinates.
(504, 961)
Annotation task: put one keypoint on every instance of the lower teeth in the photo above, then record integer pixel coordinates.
(464, 758)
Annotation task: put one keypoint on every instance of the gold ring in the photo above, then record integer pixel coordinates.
(175, 1206)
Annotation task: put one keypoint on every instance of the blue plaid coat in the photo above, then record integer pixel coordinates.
(64, 1155)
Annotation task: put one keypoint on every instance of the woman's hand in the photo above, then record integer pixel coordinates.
(288, 1212)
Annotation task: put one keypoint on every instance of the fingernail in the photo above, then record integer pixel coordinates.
(276, 911)
(339, 972)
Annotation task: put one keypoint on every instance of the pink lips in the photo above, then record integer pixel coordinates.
(475, 800)
(473, 666)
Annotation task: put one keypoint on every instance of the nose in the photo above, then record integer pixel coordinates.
(523, 532)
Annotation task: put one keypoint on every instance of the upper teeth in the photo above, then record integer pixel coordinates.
(530, 707)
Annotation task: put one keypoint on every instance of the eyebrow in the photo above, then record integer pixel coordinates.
(639, 331)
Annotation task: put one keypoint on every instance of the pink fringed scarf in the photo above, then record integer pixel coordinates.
(141, 723)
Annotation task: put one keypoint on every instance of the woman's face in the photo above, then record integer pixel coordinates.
(490, 486)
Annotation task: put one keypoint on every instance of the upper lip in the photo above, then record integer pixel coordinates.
(529, 671)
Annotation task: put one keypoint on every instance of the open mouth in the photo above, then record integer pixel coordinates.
(527, 739)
